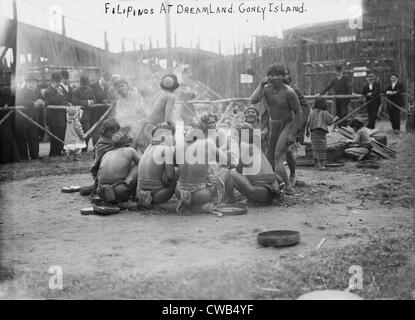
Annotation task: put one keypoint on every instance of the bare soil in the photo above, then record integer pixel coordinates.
(366, 217)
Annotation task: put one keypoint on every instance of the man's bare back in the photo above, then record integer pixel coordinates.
(115, 165)
(162, 107)
(151, 166)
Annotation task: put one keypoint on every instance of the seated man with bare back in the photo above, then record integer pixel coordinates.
(156, 170)
(193, 163)
(255, 179)
(163, 103)
(118, 171)
(285, 118)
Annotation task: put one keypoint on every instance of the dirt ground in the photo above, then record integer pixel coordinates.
(366, 217)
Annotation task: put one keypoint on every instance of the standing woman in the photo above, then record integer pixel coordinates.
(316, 126)
(372, 91)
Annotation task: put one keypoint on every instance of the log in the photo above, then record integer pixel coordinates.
(40, 127)
(6, 116)
(354, 111)
(96, 124)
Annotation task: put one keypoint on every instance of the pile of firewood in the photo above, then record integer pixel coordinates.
(377, 147)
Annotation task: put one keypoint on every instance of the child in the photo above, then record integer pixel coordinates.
(316, 126)
(103, 145)
(74, 135)
(362, 140)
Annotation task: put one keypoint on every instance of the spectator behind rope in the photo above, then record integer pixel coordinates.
(84, 96)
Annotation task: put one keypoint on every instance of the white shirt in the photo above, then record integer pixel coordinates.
(393, 85)
(370, 86)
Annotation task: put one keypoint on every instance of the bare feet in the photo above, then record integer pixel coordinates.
(289, 191)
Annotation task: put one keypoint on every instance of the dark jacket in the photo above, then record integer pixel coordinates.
(376, 91)
(26, 98)
(339, 86)
(100, 94)
(56, 118)
(399, 97)
(68, 93)
(80, 97)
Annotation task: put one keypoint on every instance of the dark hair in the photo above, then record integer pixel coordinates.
(65, 74)
(276, 70)
(55, 77)
(110, 125)
(163, 125)
(120, 81)
(251, 108)
(357, 123)
(175, 82)
(84, 80)
(339, 68)
(395, 74)
(320, 103)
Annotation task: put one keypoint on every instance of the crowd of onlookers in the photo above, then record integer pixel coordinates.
(20, 137)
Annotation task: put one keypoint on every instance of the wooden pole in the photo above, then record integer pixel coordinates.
(63, 26)
(6, 116)
(96, 124)
(39, 126)
(14, 42)
(168, 39)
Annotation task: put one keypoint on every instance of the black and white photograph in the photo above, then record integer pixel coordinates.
(224, 151)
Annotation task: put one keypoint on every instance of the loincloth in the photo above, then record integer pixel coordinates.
(107, 193)
(184, 191)
(145, 189)
(216, 180)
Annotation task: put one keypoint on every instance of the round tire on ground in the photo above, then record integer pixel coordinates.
(329, 295)
(106, 210)
(278, 238)
(232, 209)
(70, 189)
(87, 211)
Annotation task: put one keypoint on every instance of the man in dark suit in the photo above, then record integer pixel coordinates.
(101, 92)
(341, 85)
(372, 91)
(56, 118)
(84, 96)
(395, 92)
(27, 134)
(66, 85)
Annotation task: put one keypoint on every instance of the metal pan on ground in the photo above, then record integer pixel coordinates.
(87, 211)
(106, 210)
(232, 209)
(278, 238)
(334, 165)
(329, 295)
(71, 189)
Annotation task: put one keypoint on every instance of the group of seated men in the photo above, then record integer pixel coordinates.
(193, 163)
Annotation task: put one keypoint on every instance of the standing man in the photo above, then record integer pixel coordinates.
(27, 134)
(56, 118)
(163, 103)
(395, 92)
(372, 91)
(285, 120)
(84, 96)
(101, 92)
(67, 89)
(341, 85)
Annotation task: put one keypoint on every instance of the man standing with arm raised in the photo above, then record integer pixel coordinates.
(285, 118)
